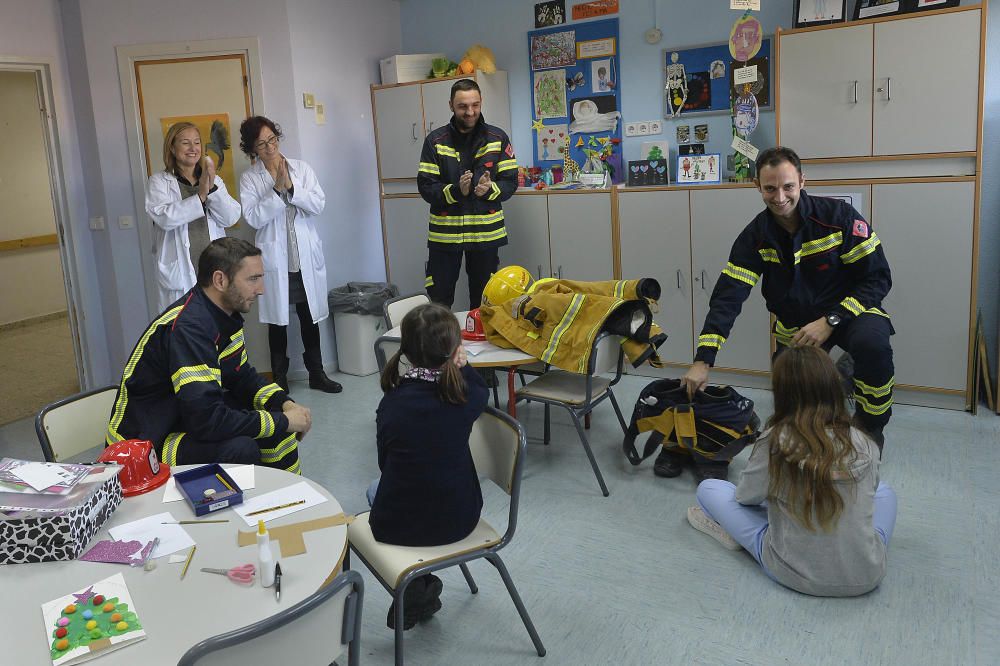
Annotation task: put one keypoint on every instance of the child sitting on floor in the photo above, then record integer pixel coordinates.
(429, 492)
(827, 520)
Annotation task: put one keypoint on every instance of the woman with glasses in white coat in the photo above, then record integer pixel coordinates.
(281, 196)
(190, 207)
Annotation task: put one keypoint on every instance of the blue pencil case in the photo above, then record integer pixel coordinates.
(208, 489)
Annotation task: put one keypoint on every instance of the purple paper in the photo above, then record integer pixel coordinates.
(133, 553)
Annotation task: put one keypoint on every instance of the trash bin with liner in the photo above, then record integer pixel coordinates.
(357, 318)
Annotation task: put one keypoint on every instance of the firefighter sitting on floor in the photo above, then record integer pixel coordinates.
(188, 387)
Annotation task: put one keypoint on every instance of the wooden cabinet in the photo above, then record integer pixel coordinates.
(900, 87)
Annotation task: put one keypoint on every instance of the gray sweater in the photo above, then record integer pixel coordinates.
(846, 562)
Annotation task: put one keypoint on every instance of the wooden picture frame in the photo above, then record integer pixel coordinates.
(927, 5)
(870, 8)
(803, 19)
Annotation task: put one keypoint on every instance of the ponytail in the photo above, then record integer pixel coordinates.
(451, 384)
(390, 375)
(430, 335)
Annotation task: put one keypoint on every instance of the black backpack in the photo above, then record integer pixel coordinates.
(717, 425)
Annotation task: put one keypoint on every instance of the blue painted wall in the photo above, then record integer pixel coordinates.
(451, 26)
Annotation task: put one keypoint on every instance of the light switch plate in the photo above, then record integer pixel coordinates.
(308, 100)
(126, 222)
(320, 113)
(97, 223)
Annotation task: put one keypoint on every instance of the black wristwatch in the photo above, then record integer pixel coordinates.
(833, 319)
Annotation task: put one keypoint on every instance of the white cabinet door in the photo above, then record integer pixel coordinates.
(717, 218)
(926, 84)
(826, 92)
(527, 219)
(406, 241)
(926, 232)
(655, 242)
(580, 236)
(399, 131)
(436, 110)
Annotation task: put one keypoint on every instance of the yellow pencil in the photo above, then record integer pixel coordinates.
(187, 562)
(219, 477)
(275, 508)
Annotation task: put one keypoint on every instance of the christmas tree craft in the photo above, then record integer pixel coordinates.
(91, 622)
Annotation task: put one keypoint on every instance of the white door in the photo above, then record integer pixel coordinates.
(717, 218)
(826, 92)
(580, 236)
(927, 84)
(399, 131)
(405, 222)
(656, 243)
(436, 110)
(526, 217)
(926, 232)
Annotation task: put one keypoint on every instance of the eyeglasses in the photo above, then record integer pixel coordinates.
(270, 143)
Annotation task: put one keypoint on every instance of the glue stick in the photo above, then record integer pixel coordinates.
(265, 559)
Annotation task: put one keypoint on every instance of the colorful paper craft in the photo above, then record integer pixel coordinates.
(133, 553)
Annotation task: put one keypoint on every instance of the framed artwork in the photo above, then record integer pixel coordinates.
(709, 72)
(550, 94)
(595, 48)
(550, 13)
(870, 8)
(699, 168)
(554, 49)
(819, 12)
(923, 5)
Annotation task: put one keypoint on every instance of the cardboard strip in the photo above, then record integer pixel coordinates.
(291, 536)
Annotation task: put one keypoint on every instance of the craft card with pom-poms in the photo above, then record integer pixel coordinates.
(91, 622)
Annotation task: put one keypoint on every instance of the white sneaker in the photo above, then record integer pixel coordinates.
(703, 523)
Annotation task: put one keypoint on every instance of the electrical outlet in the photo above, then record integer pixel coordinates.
(631, 129)
(125, 222)
(97, 223)
(655, 127)
(643, 128)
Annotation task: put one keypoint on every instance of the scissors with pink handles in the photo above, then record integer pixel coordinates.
(243, 574)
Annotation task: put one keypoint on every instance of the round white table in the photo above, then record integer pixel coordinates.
(175, 613)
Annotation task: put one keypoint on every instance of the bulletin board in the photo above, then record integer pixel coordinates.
(575, 79)
(709, 89)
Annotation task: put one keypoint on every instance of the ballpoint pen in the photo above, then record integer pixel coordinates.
(277, 581)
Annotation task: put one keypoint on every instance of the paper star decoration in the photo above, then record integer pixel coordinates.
(84, 596)
(537, 125)
(579, 142)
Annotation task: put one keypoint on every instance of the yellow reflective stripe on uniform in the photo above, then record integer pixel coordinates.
(265, 393)
(567, 319)
(491, 147)
(119, 412)
(235, 343)
(876, 391)
(448, 196)
(876, 311)
(785, 330)
(284, 447)
(740, 273)
(296, 467)
(506, 165)
(466, 220)
(266, 425)
(869, 408)
(852, 305)
(243, 357)
(711, 340)
(495, 193)
(769, 254)
(467, 237)
(862, 251)
(620, 289)
(447, 151)
(429, 167)
(170, 445)
(428, 281)
(195, 373)
(821, 244)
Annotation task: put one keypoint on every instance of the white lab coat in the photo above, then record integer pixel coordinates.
(265, 211)
(171, 215)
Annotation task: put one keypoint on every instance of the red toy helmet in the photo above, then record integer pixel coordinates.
(141, 471)
(473, 327)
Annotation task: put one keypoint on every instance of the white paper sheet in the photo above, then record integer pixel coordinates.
(241, 474)
(476, 348)
(293, 493)
(39, 475)
(172, 537)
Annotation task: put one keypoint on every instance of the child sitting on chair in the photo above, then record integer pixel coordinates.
(429, 492)
(827, 521)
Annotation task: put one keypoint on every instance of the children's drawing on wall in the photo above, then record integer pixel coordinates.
(550, 94)
(701, 133)
(550, 13)
(683, 134)
(556, 49)
(718, 69)
(699, 96)
(578, 80)
(552, 142)
(655, 150)
(594, 114)
(867, 8)
(677, 88)
(602, 75)
(745, 38)
(760, 88)
(746, 113)
(698, 168)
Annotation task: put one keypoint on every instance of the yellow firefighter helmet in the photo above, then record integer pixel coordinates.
(507, 283)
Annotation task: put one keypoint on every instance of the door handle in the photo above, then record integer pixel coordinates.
(415, 132)
(431, 126)
(678, 278)
(855, 92)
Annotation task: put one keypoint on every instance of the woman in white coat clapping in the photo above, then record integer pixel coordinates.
(190, 207)
(280, 198)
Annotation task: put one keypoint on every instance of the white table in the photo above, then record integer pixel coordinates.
(175, 613)
(490, 356)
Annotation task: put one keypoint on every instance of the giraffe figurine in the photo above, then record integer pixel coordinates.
(571, 170)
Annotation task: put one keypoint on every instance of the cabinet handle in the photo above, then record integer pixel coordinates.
(559, 272)
(855, 92)
(678, 278)
(703, 278)
(888, 89)
(539, 273)
(431, 126)
(414, 131)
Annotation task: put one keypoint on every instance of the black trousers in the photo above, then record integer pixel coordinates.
(443, 268)
(866, 339)
(277, 336)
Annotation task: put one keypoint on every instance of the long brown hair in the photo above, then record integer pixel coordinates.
(430, 336)
(810, 438)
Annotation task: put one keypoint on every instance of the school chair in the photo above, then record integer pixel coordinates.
(580, 394)
(498, 449)
(306, 634)
(394, 310)
(75, 424)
